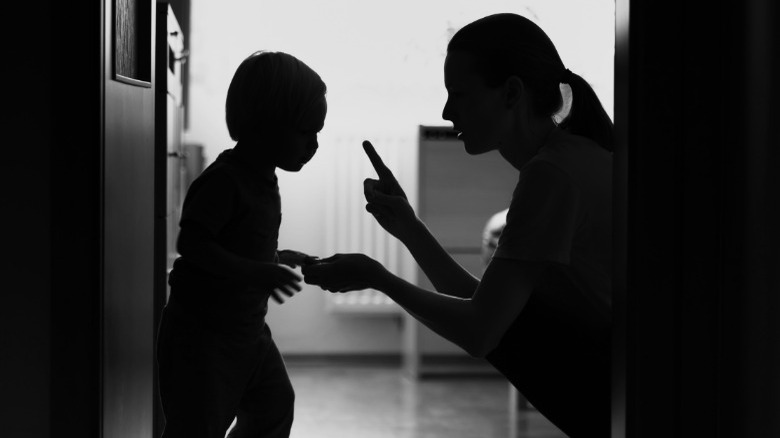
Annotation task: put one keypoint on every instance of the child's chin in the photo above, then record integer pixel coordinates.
(292, 167)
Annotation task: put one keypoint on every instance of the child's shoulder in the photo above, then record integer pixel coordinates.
(218, 173)
(223, 166)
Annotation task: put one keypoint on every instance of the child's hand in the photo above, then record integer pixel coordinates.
(344, 273)
(295, 259)
(280, 279)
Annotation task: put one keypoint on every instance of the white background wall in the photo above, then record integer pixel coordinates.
(382, 62)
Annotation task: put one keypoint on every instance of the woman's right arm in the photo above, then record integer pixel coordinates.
(389, 205)
(446, 274)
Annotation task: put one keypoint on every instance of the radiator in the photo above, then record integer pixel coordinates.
(350, 228)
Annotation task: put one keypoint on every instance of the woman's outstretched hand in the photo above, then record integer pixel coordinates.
(387, 201)
(295, 259)
(344, 273)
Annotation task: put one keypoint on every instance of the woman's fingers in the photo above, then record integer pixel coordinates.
(369, 188)
(379, 211)
(328, 274)
(387, 182)
(381, 169)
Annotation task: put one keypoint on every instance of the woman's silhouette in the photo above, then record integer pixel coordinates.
(541, 314)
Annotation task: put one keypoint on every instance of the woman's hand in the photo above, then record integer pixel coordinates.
(281, 279)
(387, 201)
(295, 259)
(345, 273)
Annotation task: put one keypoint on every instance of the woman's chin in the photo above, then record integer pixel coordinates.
(475, 149)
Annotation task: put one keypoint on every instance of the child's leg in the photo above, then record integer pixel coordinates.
(266, 410)
(201, 382)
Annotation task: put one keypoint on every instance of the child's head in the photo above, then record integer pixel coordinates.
(276, 101)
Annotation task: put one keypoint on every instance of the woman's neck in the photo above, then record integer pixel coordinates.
(527, 140)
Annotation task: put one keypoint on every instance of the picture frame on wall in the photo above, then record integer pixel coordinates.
(132, 42)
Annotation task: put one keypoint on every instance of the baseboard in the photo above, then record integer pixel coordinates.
(430, 365)
(337, 360)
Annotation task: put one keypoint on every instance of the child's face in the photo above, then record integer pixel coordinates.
(300, 143)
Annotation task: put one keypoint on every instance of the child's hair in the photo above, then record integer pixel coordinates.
(508, 45)
(270, 90)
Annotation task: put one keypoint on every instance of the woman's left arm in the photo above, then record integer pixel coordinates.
(475, 324)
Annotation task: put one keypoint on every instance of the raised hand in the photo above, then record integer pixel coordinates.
(387, 201)
(344, 273)
(387, 184)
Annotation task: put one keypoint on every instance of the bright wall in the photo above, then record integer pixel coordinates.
(382, 62)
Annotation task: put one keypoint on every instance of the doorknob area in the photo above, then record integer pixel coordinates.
(177, 155)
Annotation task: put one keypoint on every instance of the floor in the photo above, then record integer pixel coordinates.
(380, 402)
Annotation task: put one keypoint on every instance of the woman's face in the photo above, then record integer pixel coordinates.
(300, 143)
(477, 112)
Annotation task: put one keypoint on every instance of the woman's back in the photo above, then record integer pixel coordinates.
(557, 352)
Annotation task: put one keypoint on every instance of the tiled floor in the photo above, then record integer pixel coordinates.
(379, 402)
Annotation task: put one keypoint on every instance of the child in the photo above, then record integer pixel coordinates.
(217, 360)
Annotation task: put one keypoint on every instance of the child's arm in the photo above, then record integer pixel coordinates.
(295, 259)
(200, 248)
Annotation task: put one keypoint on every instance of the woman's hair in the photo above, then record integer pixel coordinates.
(506, 45)
(270, 90)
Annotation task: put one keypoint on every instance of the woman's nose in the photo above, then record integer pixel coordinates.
(445, 112)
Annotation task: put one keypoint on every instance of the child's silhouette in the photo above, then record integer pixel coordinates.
(217, 359)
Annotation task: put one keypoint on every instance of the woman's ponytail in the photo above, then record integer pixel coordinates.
(587, 116)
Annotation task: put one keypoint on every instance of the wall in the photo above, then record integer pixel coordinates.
(383, 65)
(50, 295)
(697, 338)
(25, 302)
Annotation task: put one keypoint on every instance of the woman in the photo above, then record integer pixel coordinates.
(541, 313)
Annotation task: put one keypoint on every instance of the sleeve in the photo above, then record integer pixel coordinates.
(542, 217)
(210, 202)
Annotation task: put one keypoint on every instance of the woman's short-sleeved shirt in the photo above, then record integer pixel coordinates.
(561, 212)
(557, 351)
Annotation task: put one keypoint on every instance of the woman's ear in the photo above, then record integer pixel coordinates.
(514, 91)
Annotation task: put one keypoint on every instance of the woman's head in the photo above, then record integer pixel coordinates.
(274, 95)
(507, 46)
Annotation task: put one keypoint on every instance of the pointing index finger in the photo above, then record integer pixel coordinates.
(376, 161)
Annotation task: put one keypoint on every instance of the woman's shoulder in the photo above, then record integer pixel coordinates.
(577, 156)
(567, 146)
